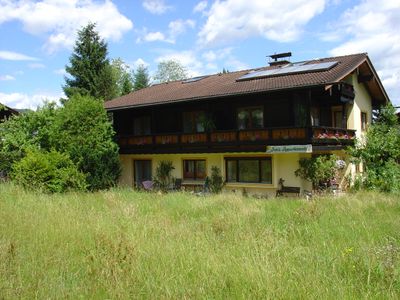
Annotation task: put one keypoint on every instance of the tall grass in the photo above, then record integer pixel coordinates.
(126, 244)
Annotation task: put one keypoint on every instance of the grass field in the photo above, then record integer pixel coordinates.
(125, 244)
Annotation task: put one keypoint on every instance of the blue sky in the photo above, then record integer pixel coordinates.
(37, 37)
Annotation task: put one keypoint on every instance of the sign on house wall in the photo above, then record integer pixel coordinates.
(290, 149)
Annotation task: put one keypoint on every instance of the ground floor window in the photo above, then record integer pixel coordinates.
(142, 171)
(194, 169)
(249, 169)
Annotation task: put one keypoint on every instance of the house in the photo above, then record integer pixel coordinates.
(254, 124)
(6, 112)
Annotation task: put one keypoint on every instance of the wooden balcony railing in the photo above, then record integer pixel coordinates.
(239, 138)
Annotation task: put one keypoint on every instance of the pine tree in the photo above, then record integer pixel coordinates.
(126, 87)
(225, 71)
(89, 68)
(141, 78)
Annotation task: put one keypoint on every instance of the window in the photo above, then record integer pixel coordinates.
(250, 117)
(255, 170)
(193, 121)
(363, 121)
(194, 169)
(142, 171)
(142, 125)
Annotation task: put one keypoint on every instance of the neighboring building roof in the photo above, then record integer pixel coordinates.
(227, 84)
(8, 110)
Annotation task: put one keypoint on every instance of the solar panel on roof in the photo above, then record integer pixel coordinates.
(256, 74)
(193, 79)
(292, 69)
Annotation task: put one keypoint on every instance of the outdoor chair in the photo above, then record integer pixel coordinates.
(147, 185)
(177, 184)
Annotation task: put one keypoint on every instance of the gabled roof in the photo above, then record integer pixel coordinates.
(227, 84)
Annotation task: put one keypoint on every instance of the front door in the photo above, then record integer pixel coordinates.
(142, 171)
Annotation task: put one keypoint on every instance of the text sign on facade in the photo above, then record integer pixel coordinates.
(290, 149)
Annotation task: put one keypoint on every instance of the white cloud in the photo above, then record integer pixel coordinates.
(205, 63)
(60, 19)
(139, 62)
(175, 29)
(6, 77)
(225, 55)
(372, 28)
(9, 55)
(210, 55)
(281, 21)
(21, 101)
(154, 36)
(200, 7)
(178, 27)
(157, 7)
(36, 66)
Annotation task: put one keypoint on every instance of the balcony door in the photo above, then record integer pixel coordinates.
(142, 171)
(338, 119)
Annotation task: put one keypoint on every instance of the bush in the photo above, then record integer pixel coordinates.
(51, 172)
(30, 130)
(385, 178)
(319, 170)
(216, 182)
(82, 130)
(163, 179)
(379, 152)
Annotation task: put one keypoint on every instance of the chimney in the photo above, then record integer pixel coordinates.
(276, 61)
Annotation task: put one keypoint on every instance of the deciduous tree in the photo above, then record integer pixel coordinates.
(170, 70)
(123, 76)
(379, 151)
(80, 130)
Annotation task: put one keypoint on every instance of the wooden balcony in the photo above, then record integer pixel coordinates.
(235, 140)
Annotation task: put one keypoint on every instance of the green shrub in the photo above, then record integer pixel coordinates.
(384, 178)
(216, 182)
(319, 170)
(163, 179)
(51, 172)
(82, 129)
(30, 130)
(380, 152)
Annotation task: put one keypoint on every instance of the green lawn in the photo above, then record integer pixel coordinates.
(125, 244)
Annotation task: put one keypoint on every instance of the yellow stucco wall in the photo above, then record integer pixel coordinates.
(362, 103)
(283, 166)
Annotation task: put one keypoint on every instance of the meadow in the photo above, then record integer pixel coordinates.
(126, 244)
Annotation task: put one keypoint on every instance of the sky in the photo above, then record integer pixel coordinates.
(37, 37)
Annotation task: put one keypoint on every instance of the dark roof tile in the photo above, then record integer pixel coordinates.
(220, 85)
